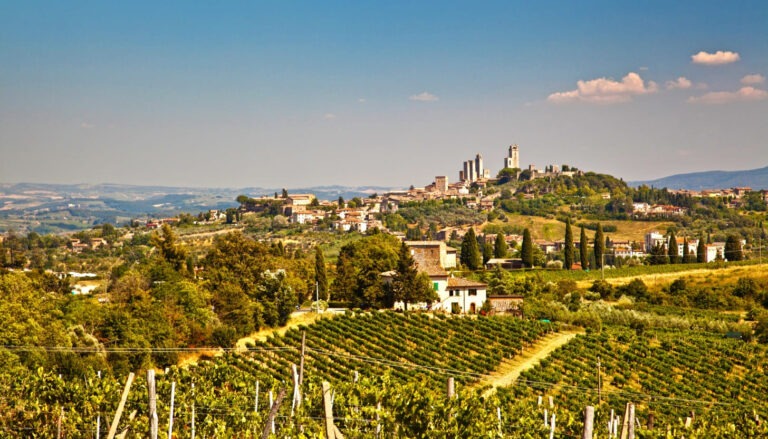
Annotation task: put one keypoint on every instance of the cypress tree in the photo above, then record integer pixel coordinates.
(672, 250)
(500, 247)
(526, 252)
(487, 250)
(701, 250)
(470, 253)
(583, 249)
(320, 276)
(568, 250)
(733, 249)
(686, 252)
(599, 246)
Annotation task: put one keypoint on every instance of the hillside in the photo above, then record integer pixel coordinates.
(754, 178)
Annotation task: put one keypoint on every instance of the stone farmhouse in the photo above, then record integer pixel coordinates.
(455, 295)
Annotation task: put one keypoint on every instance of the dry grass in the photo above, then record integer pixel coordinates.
(712, 277)
(552, 229)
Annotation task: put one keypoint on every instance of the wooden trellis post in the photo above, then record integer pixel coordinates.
(151, 390)
(120, 407)
(589, 419)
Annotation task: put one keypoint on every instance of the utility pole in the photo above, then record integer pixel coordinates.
(602, 266)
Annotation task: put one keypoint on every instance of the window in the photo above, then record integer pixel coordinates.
(473, 292)
(435, 286)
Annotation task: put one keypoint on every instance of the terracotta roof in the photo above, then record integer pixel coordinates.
(459, 282)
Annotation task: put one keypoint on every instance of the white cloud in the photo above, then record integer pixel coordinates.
(680, 83)
(606, 91)
(424, 97)
(754, 79)
(87, 126)
(715, 59)
(329, 116)
(643, 68)
(723, 97)
(361, 100)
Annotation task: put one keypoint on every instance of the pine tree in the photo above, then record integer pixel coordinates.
(584, 249)
(672, 250)
(526, 252)
(599, 246)
(500, 247)
(568, 250)
(408, 285)
(701, 250)
(470, 253)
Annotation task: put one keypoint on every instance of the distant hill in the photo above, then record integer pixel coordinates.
(753, 178)
(51, 208)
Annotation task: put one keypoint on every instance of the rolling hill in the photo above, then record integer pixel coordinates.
(754, 178)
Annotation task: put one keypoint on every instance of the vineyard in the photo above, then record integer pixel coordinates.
(388, 374)
(669, 374)
(405, 345)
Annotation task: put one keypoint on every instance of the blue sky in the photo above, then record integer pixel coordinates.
(290, 94)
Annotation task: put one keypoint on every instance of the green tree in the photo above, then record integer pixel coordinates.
(701, 250)
(686, 257)
(599, 246)
(500, 246)
(320, 276)
(170, 250)
(658, 255)
(413, 234)
(568, 250)
(408, 285)
(672, 249)
(345, 281)
(487, 250)
(526, 252)
(733, 250)
(340, 202)
(470, 253)
(359, 268)
(583, 249)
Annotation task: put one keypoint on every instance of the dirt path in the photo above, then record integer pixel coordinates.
(509, 370)
(298, 318)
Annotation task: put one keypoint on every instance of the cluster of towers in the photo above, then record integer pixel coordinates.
(473, 170)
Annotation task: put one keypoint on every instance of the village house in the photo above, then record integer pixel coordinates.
(455, 295)
(297, 202)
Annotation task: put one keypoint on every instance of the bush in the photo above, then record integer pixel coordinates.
(224, 336)
(603, 288)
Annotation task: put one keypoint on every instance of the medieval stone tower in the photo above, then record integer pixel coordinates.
(513, 158)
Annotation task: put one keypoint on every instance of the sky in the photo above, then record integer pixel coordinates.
(306, 93)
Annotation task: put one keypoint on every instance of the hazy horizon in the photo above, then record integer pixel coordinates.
(369, 94)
